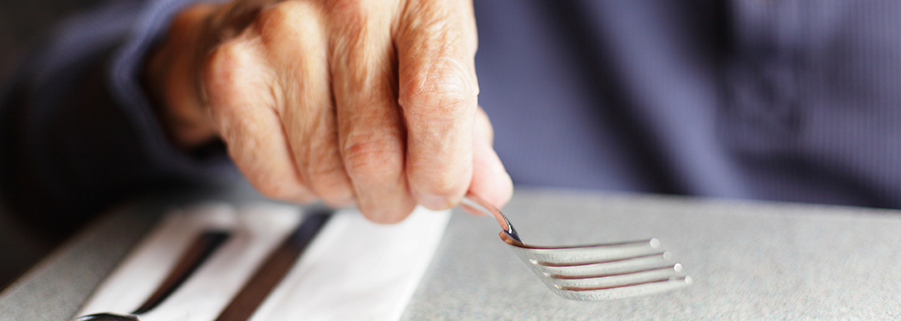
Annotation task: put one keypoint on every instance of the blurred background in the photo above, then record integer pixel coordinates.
(22, 22)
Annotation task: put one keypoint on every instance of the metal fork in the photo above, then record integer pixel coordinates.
(592, 272)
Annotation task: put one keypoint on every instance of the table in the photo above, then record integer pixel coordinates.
(749, 260)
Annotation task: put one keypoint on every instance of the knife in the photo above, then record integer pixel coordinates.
(271, 272)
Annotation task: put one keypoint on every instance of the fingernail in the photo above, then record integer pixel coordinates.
(433, 202)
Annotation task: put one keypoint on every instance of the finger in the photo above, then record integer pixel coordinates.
(370, 130)
(490, 180)
(241, 104)
(438, 94)
(295, 39)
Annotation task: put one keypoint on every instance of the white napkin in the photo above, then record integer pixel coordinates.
(353, 269)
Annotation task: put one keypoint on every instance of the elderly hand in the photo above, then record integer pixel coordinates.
(350, 101)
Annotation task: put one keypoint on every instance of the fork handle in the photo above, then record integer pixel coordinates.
(475, 203)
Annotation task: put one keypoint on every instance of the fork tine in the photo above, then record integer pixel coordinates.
(588, 254)
(604, 271)
(652, 287)
(614, 280)
(593, 272)
(654, 261)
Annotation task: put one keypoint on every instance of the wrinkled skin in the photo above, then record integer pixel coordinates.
(367, 103)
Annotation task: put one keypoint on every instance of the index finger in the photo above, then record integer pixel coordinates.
(438, 95)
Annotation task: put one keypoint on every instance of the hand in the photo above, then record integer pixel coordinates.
(372, 103)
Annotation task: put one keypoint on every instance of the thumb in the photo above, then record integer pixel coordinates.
(490, 180)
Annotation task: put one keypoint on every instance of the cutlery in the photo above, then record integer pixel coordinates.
(274, 268)
(592, 272)
(197, 252)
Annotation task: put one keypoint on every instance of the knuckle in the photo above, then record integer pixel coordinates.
(373, 159)
(441, 90)
(233, 71)
(279, 14)
(291, 35)
(349, 22)
(226, 75)
(285, 15)
(347, 9)
(225, 63)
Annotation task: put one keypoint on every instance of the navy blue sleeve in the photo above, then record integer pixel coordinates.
(77, 132)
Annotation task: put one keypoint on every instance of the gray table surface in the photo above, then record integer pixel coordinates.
(749, 260)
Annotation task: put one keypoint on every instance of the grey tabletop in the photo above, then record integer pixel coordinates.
(749, 260)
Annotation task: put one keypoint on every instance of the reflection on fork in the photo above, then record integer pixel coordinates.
(593, 272)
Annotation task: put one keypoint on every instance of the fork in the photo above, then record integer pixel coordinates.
(592, 272)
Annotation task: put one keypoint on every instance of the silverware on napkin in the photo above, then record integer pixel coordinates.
(198, 252)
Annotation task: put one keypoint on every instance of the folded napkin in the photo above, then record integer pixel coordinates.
(353, 269)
